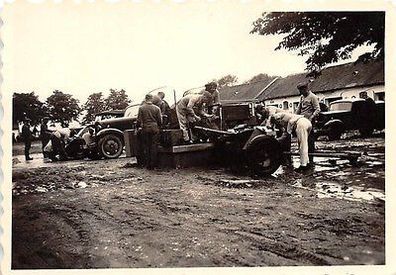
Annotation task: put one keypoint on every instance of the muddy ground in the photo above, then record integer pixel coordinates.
(97, 214)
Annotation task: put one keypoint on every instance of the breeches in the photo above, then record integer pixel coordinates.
(184, 121)
(303, 129)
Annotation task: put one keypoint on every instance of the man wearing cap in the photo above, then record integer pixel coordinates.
(186, 113)
(150, 120)
(27, 137)
(309, 108)
(212, 89)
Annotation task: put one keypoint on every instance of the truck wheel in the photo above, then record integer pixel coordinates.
(264, 155)
(111, 146)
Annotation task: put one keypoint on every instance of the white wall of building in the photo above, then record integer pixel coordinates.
(375, 92)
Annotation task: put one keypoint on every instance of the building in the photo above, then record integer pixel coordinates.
(336, 82)
(245, 92)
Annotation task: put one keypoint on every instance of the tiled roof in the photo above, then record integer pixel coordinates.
(244, 91)
(332, 78)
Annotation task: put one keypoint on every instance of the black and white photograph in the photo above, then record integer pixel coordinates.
(148, 135)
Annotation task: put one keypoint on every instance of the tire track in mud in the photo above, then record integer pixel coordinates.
(283, 249)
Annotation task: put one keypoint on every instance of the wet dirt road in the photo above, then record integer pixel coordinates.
(93, 214)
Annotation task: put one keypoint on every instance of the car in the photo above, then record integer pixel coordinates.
(351, 114)
(107, 140)
(109, 114)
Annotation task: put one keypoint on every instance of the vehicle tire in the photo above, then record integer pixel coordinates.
(366, 132)
(264, 155)
(111, 146)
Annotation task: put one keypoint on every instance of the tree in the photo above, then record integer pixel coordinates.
(27, 105)
(227, 80)
(117, 100)
(260, 77)
(326, 37)
(95, 104)
(63, 107)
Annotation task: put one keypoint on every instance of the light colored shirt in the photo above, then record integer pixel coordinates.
(189, 102)
(308, 106)
(287, 120)
(272, 110)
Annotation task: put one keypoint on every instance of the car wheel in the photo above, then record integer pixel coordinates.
(111, 146)
(264, 155)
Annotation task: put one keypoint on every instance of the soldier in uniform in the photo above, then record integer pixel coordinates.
(27, 137)
(212, 89)
(165, 109)
(150, 120)
(309, 108)
(302, 127)
(186, 113)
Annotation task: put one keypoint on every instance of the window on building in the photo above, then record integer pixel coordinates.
(295, 106)
(285, 105)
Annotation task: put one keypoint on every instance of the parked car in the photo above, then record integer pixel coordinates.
(109, 114)
(107, 138)
(351, 114)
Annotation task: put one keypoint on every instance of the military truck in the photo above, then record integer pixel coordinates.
(351, 114)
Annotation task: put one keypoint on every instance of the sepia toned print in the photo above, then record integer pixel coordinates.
(194, 135)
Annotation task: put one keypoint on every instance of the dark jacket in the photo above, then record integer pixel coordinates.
(149, 116)
(26, 133)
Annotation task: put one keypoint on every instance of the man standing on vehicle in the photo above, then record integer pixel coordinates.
(165, 109)
(150, 120)
(186, 114)
(309, 108)
(213, 105)
(27, 137)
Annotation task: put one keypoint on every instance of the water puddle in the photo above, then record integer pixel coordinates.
(329, 189)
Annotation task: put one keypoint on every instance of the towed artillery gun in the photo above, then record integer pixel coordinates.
(244, 146)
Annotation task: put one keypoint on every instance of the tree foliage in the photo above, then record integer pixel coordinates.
(27, 105)
(227, 80)
(94, 104)
(63, 107)
(326, 37)
(117, 100)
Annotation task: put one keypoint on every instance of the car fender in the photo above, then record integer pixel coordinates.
(334, 124)
(107, 131)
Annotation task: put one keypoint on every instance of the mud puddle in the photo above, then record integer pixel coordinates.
(329, 189)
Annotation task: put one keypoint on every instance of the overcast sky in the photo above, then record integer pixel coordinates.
(85, 48)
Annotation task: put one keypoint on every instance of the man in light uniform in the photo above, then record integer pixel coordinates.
(302, 126)
(309, 108)
(186, 113)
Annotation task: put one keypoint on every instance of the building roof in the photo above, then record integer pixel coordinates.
(243, 92)
(332, 78)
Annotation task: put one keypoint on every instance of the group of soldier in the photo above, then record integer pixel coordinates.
(55, 140)
(154, 114)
